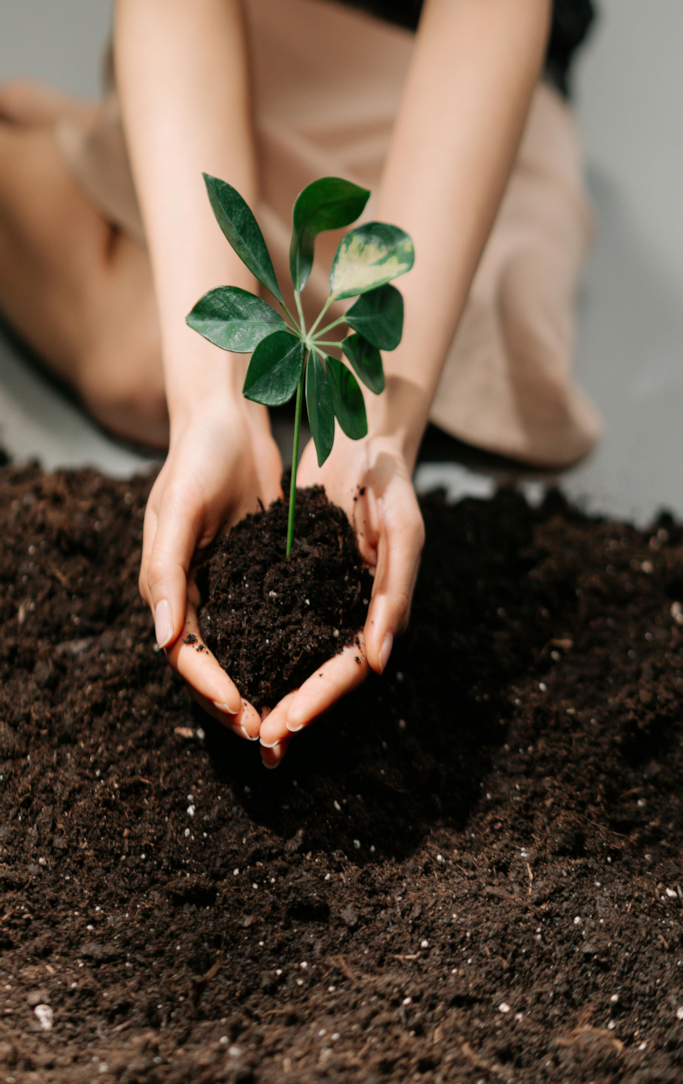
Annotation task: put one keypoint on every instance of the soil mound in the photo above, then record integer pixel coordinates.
(270, 620)
(469, 871)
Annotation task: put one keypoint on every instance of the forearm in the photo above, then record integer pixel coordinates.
(182, 74)
(465, 102)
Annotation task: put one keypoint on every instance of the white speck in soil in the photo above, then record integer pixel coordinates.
(201, 734)
(407, 1000)
(577, 920)
(304, 964)
(542, 686)
(234, 1051)
(337, 806)
(335, 633)
(356, 844)
(190, 811)
(235, 873)
(503, 1007)
(402, 724)
(187, 833)
(45, 1016)
(331, 989)
(679, 1012)
(440, 858)
(336, 1035)
(424, 944)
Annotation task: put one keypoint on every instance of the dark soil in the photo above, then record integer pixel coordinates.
(270, 620)
(469, 872)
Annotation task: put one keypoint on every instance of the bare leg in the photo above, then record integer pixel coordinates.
(79, 292)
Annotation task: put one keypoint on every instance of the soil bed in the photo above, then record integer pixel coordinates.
(468, 872)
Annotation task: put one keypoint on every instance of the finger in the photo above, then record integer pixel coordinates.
(272, 757)
(149, 530)
(169, 561)
(231, 722)
(334, 679)
(193, 660)
(398, 561)
(274, 727)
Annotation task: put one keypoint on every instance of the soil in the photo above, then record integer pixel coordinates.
(470, 871)
(270, 620)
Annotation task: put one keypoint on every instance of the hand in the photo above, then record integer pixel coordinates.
(222, 459)
(371, 480)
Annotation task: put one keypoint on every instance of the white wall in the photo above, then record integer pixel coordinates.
(56, 41)
(630, 103)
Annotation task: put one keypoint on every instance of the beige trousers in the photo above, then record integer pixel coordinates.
(326, 87)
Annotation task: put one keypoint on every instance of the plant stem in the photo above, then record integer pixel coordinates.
(288, 313)
(323, 342)
(297, 298)
(295, 458)
(328, 327)
(321, 314)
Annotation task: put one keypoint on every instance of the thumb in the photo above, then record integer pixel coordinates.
(167, 569)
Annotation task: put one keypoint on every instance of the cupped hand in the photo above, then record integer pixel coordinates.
(371, 480)
(221, 462)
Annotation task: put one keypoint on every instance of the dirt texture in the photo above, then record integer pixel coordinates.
(468, 872)
(269, 619)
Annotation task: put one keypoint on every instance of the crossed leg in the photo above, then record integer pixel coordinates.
(78, 291)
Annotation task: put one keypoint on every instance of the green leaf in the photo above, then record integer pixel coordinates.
(234, 319)
(320, 407)
(327, 204)
(366, 361)
(369, 256)
(242, 231)
(347, 399)
(275, 369)
(378, 316)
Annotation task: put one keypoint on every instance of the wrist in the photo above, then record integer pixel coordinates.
(399, 416)
(200, 378)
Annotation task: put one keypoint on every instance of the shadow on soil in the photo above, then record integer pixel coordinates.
(407, 754)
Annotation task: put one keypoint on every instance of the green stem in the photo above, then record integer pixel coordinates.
(295, 457)
(323, 342)
(335, 323)
(288, 313)
(321, 314)
(297, 298)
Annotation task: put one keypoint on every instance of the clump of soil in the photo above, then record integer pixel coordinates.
(469, 871)
(269, 619)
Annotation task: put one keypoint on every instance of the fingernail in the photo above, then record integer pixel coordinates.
(270, 767)
(268, 745)
(292, 728)
(163, 626)
(224, 707)
(385, 651)
(240, 732)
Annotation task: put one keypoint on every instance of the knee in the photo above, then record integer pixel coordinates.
(126, 396)
(17, 100)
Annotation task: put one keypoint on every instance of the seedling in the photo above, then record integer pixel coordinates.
(287, 358)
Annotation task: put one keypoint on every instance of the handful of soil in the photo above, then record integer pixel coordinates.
(269, 619)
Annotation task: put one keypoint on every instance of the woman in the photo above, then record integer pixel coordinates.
(268, 95)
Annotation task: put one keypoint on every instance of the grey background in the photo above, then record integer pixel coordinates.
(629, 95)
